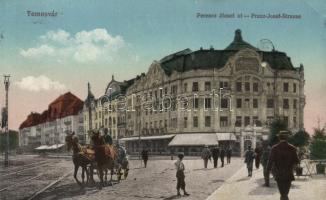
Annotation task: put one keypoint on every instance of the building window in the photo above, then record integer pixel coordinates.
(255, 87)
(269, 120)
(185, 122)
(195, 122)
(238, 121)
(286, 120)
(247, 103)
(295, 103)
(195, 86)
(239, 103)
(294, 87)
(246, 120)
(270, 103)
(174, 89)
(285, 103)
(185, 86)
(295, 122)
(255, 103)
(256, 121)
(207, 86)
(247, 86)
(239, 86)
(223, 121)
(195, 103)
(166, 123)
(208, 103)
(285, 87)
(224, 84)
(165, 90)
(224, 103)
(207, 121)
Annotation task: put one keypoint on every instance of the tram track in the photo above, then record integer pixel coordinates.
(23, 169)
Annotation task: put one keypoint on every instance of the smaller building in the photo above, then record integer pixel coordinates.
(49, 128)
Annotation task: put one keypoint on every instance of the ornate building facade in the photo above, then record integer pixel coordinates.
(233, 93)
(192, 98)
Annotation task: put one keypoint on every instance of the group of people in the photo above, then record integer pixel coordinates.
(279, 160)
(216, 153)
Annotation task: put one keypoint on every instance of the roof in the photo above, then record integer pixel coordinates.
(238, 43)
(210, 58)
(156, 137)
(194, 139)
(65, 105)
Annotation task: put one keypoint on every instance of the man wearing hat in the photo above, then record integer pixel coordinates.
(249, 160)
(180, 167)
(282, 160)
(205, 155)
(215, 155)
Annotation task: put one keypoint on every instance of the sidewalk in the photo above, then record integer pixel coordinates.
(241, 187)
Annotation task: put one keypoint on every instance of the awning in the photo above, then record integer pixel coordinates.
(194, 139)
(156, 137)
(42, 147)
(226, 137)
(55, 146)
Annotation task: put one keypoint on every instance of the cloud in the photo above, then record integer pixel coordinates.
(40, 83)
(84, 46)
(43, 50)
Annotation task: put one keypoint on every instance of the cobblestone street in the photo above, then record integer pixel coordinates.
(157, 181)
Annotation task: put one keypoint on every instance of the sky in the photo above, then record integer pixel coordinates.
(90, 40)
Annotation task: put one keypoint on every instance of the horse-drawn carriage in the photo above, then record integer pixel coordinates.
(101, 157)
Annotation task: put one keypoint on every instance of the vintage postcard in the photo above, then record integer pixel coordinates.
(157, 99)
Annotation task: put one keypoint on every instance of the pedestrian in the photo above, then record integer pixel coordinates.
(258, 153)
(215, 155)
(180, 167)
(264, 161)
(144, 155)
(222, 155)
(107, 137)
(249, 160)
(205, 155)
(172, 153)
(282, 160)
(228, 155)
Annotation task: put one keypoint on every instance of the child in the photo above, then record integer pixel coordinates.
(180, 175)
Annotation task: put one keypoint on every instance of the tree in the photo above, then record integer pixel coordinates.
(300, 138)
(13, 140)
(318, 145)
(276, 126)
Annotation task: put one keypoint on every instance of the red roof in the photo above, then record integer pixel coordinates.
(65, 105)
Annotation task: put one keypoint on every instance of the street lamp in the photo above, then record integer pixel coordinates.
(7, 83)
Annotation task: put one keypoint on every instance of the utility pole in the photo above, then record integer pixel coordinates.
(7, 82)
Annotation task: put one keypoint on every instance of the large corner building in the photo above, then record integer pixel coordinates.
(231, 96)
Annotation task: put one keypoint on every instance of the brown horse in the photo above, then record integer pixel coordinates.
(104, 157)
(82, 157)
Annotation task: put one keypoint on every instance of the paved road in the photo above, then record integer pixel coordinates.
(157, 181)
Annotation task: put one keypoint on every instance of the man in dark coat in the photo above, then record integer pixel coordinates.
(282, 160)
(107, 137)
(228, 155)
(258, 153)
(222, 154)
(206, 155)
(249, 160)
(215, 155)
(144, 155)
